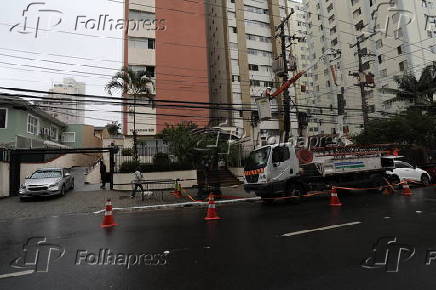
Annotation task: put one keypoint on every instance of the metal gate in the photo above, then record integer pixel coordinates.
(16, 157)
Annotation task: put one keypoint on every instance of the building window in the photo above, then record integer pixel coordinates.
(141, 42)
(380, 59)
(3, 118)
(403, 65)
(54, 133)
(137, 15)
(236, 78)
(151, 43)
(400, 50)
(253, 67)
(150, 71)
(32, 125)
(69, 137)
(379, 44)
(255, 83)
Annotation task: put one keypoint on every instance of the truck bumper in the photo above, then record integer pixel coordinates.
(266, 190)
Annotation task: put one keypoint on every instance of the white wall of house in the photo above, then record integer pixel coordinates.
(4, 179)
(126, 178)
(93, 176)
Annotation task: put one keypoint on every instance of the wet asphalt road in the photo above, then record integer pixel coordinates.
(245, 250)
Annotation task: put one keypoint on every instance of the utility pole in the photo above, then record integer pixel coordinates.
(286, 97)
(361, 78)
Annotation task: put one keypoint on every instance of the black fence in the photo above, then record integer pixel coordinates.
(146, 154)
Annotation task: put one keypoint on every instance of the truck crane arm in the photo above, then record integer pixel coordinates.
(296, 77)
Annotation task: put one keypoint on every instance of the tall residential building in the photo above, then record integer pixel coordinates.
(168, 40)
(242, 48)
(394, 39)
(72, 112)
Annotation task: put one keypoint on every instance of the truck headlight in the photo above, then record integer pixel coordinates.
(262, 177)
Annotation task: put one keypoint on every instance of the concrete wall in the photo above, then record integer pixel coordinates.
(93, 176)
(124, 178)
(4, 179)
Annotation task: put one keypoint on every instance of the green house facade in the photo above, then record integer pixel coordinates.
(23, 125)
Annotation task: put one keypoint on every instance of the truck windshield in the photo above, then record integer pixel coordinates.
(258, 159)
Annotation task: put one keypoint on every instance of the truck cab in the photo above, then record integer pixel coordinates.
(269, 168)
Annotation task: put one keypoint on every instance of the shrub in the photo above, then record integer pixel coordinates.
(127, 152)
(132, 166)
(161, 158)
(129, 166)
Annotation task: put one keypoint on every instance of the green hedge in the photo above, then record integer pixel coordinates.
(132, 166)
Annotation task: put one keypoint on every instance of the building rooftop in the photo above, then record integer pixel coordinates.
(21, 103)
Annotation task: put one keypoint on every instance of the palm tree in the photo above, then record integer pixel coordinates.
(418, 91)
(136, 84)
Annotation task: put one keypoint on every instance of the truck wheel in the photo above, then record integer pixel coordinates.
(296, 191)
(377, 181)
(395, 179)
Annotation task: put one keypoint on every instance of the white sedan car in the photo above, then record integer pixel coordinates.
(404, 170)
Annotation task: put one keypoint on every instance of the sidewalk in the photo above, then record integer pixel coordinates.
(94, 201)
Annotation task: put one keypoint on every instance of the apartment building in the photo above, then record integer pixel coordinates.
(72, 112)
(242, 48)
(394, 38)
(168, 40)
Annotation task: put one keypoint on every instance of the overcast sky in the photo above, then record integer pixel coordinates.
(57, 42)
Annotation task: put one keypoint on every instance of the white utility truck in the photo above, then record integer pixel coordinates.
(288, 170)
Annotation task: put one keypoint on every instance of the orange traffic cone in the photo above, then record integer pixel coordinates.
(334, 199)
(108, 220)
(211, 211)
(406, 189)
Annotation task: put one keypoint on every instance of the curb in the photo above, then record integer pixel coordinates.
(179, 205)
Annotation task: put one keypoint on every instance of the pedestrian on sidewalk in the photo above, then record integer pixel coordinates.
(137, 182)
(103, 175)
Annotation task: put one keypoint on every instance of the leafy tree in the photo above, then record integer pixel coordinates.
(113, 128)
(411, 128)
(410, 88)
(181, 141)
(137, 84)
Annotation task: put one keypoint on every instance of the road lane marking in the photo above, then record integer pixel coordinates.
(320, 229)
(17, 274)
